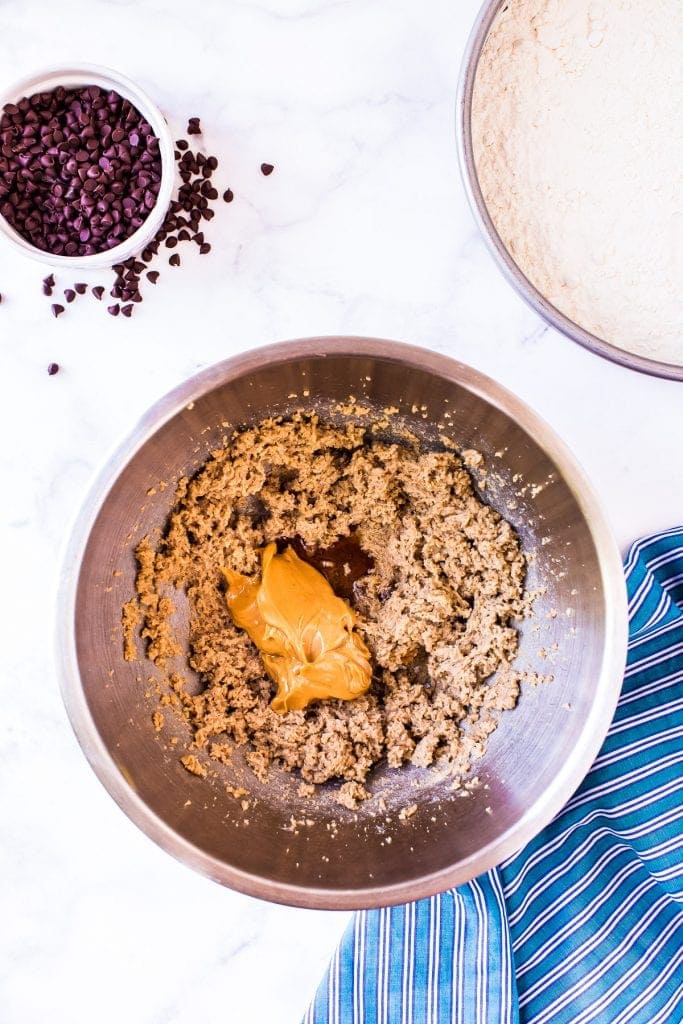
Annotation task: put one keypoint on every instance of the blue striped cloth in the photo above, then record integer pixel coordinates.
(586, 923)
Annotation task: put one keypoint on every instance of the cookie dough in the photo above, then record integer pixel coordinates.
(442, 589)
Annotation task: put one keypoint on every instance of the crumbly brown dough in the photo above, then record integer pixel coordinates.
(130, 620)
(437, 608)
(193, 765)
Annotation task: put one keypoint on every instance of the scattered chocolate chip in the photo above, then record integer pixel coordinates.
(57, 310)
(47, 290)
(267, 169)
(228, 195)
(53, 368)
(106, 209)
(49, 281)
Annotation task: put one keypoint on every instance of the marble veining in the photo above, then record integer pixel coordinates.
(363, 228)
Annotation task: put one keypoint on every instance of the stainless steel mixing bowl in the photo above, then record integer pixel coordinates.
(524, 287)
(536, 758)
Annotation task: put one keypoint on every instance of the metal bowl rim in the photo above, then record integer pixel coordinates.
(607, 689)
(511, 271)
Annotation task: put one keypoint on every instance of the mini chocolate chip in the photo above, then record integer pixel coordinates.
(181, 143)
(174, 260)
(57, 310)
(171, 242)
(198, 238)
(184, 235)
(228, 195)
(82, 172)
(152, 276)
(204, 248)
(127, 310)
(69, 294)
(53, 368)
(114, 310)
(47, 290)
(267, 169)
(98, 291)
(80, 288)
(49, 281)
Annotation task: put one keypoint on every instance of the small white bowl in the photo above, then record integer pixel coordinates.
(70, 77)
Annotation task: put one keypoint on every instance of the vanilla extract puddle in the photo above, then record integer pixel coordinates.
(343, 564)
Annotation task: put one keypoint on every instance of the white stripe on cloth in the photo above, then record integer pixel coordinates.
(649, 580)
(661, 978)
(595, 1010)
(546, 852)
(577, 920)
(652, 660)
(641, 545)
(459, 959)
(482, 951)
(627, 835)
(656, 634)
(359, 968)
(506, 966)
(578, 955)
(638, 746)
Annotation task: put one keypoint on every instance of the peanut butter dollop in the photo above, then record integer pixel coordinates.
(305, 633)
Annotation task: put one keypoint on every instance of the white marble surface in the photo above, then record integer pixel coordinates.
(363, 228)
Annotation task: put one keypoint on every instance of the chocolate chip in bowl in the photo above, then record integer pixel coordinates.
(86, 167)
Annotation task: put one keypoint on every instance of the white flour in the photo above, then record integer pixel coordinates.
(578, 142)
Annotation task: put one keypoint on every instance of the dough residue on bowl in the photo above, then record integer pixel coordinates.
(577, 143)
(440, 589)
